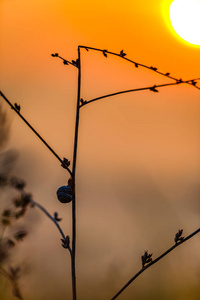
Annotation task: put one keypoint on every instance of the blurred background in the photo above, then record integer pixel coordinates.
(138, 157)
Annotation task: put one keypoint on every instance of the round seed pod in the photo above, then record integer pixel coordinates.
(64, 194)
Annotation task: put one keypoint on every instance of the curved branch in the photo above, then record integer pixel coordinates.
(34, 203)
(155, 261)
(151, 88)
(38, 135)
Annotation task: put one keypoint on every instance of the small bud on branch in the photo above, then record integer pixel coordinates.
(146, 258)
(178, 236)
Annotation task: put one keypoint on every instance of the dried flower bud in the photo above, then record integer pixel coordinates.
(104, 53)
(65, 163)
(146, 258)
(56, 217)
(54, 55)
(178, 236)
(122, 54)
(153, 68)
(153, 89)
(66, 242)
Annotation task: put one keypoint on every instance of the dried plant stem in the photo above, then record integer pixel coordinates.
(74, 180)
(31, 127)
(135, 63)
(134, 90)
(155, 261)
(34, 203)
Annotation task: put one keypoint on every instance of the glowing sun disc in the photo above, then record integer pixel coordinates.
(185, 19)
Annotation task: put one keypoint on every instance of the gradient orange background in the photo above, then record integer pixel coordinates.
(138, 161)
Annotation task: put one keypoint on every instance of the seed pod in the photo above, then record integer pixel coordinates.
(64, 194)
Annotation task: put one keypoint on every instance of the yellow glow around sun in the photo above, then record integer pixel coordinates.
(185, 19)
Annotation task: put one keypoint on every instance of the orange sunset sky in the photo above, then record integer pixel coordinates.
(138, 160)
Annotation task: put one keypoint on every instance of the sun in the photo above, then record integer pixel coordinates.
(185, 19)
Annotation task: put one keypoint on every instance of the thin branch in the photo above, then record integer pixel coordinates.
(134, 62)
(74, 63)
(122, 55)
(155, 261)
(74, 180)
(151, 88)
(38, 135)
(34, 203)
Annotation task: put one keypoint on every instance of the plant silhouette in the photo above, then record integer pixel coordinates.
(68, 193)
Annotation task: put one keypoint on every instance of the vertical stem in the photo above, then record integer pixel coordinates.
(74, 177)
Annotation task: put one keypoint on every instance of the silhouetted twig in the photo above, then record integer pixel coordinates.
(74, 63)
(122, 55)
(151, 88)
(152, 262)
(136, 64)
(53, 219)
(16, 108)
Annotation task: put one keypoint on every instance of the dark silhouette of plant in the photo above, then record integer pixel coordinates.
(67, 193)
(14, 211)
